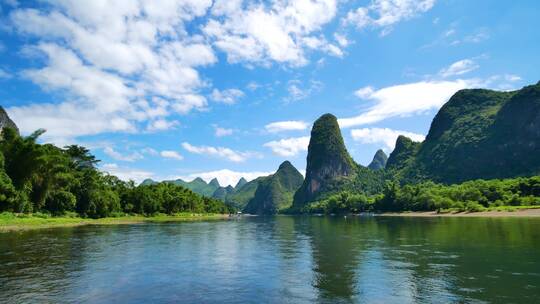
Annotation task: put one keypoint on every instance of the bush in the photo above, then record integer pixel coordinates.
(59, 202)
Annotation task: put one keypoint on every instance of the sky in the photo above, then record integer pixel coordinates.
(230, 88)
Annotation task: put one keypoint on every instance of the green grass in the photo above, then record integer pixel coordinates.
(496, 209)
(14, 222)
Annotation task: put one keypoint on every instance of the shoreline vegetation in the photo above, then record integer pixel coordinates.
(10, 222)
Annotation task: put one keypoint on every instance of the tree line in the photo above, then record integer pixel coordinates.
(476, 195)
(44, 178)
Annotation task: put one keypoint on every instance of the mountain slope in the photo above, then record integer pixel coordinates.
(480, 134)
(5, 121)
(241, 182)
(240, 197)
(221, 193)
(379, 160)
(275, 192)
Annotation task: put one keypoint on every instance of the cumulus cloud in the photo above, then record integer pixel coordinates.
(288, 125)
(386, 13)
(131, 157)
(229, 96)
(126, 173)
(220, 132)
(161, 125)
(225, 176)
(111, 59)
(171, 154)
(279, 31)
(221, 152)
(384, 136)
(289, 146)
(459, 68)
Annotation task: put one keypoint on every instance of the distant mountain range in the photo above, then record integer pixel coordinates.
(263, 195)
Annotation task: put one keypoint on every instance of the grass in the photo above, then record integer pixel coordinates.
(15, 222)
(492, 209)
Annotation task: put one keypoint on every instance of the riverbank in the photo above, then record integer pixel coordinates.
(12, 222)
(521, 211)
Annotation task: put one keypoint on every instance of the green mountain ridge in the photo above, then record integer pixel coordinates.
(478, 134)
(275, 192)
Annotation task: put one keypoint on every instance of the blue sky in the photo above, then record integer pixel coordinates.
(168, 89)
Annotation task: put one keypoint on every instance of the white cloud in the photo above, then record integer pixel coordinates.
(298, 91)
(405, 100)
(260, 33)
(229, 96)
(419, 97)
(226, 153)
(220, 132)
(288, 125)
(225, 176)
(122, 157)
(126, 173)
(161, 125)
(341, 40)
(289, 146)
(364, 92)
(385, 13)
(385, 136)
(149, 151)
(107, 59)
(252, 86)
(171, 154)
(459, 68)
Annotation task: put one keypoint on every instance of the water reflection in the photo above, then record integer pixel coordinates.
(277, 260)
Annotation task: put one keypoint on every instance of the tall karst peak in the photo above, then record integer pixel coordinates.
(327, 159)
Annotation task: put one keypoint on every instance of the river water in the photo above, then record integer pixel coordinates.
(277, 260)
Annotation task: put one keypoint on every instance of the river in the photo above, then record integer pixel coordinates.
(277, 260)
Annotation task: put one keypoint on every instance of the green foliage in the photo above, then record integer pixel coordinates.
(45, 179)
(471, 196)
(59, 202)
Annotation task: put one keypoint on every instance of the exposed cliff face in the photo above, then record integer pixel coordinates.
(5, 121)
(379, 160)
(480, 134)
(327, 159)
(275, 192)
